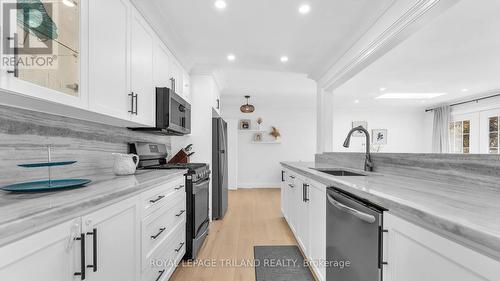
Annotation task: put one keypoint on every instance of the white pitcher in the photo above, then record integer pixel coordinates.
(125, 164)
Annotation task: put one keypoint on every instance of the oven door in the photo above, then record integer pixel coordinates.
(200, 206)
(179, 114)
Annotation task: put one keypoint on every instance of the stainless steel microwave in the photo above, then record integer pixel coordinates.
(173, 114)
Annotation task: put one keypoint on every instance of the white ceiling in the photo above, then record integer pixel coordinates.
(258, 32)
(459, 50)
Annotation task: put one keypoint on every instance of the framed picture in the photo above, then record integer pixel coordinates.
(257, 137)
(355, 124)
(245, 124)
(379, 136)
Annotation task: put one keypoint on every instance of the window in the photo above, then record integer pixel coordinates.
(493, 135)
(460, 137)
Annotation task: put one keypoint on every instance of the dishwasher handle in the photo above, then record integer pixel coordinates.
(360, 215)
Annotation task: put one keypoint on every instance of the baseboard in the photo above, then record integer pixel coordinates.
(259, 185)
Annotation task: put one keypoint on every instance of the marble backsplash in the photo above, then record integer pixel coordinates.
(475, 170)
(25, 135)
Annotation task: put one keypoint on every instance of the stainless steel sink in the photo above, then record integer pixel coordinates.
(339, 173)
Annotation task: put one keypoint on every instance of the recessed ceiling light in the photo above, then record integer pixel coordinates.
(220, 4)
(284, 59)
(383, 89)
(69, 3)
(465, 90)
(231, 57)
(304, 9)
(356, 101)
(410, 96)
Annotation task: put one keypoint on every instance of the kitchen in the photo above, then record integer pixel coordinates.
(190, 141)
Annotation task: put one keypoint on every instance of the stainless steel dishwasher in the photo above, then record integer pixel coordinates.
(353, 238)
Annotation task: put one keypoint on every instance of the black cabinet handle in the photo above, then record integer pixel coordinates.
(158, 234)
(305, 190)
(282, 176)
(291, 185)
(157, 199)
(218, 103)
(131, 95)
(16, 55)
(94, 252)
(292, 177)
(180, 214)
(161, 273)
(136, 104)
(82, 257)
(180, 187)
(180, 247)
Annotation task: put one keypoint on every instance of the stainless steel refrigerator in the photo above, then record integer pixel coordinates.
(219, 168)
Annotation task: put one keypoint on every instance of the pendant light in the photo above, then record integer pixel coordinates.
(247, 108)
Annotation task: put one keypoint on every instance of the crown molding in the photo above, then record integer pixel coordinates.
(410, 21)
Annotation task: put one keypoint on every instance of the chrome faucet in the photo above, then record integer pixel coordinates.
(347, 142)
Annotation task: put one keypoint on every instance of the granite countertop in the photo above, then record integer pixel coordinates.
(469, 215)
(23, 214)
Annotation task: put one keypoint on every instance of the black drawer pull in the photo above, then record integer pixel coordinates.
(180, 187)
(158, 234)
(94, 245)
(82, 257)
(180, 247)
(180, 214)
(292, 177)
(157, 199)
(291, 185)
(161, 273)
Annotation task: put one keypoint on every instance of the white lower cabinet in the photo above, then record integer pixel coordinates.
(114, 240)
(52, 255)
(414, 253)
(304, 208)
(317, 228)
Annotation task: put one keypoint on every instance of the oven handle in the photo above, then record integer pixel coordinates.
(360, 215)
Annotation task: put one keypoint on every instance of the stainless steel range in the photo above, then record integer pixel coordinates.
(153, 156)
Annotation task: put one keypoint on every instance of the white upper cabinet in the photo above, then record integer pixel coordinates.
(161, 65)
(55, 74)
(186, 86)
(108, 58)
(141, 71)
(109, 61)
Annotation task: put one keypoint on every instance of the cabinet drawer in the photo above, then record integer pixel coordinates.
(165, 258)
(160, 196)
(159, 225)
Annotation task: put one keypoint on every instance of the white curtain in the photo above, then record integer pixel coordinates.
(440, 133)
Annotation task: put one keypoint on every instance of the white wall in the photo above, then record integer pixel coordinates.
(258, 164)
(409, 130)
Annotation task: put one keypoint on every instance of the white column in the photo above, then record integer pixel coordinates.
(324, 141)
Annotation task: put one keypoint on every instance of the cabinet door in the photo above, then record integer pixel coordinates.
(161, 66)
(293, 206)
(303, 216)
(141, 70)
(417, 254)
(52, 254)
(174, 70)
(317, 228)
(186, 86)
(108, 58)
(284, 193)
(115, 255)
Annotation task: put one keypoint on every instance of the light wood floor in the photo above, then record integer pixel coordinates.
(253, 218)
